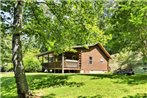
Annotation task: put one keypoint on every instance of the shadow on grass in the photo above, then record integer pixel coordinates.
(50, 96)
(8, 87)
(54, 96)
(43, 81)
(132, 80)
(138, 95)
(96, 96)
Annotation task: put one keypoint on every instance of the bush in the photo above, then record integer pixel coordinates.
(6, 67)
(31, 63)
(9, 67)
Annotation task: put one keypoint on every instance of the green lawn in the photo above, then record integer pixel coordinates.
(48, 85)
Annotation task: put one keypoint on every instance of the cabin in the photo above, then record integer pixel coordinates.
(90, 59)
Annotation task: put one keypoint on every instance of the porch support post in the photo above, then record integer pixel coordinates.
(62, 63)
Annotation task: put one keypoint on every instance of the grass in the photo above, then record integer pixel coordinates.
(78, 85)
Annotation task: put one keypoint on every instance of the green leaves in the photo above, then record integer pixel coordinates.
(64, 24)
(31, 63)
(129, 21)
(60, 25)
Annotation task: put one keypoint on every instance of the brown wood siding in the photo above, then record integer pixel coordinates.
(96, 65)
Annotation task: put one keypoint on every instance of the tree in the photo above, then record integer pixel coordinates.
(129, 21)
(22, 86)
(6, 38)
(5, 48)
(64, 24)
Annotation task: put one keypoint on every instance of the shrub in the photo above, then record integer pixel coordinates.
(9, 67)
(6, 67)
(31, 63)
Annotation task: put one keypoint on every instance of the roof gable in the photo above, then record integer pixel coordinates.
(92, 45)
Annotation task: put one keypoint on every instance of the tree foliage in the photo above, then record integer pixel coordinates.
(64, 24)
(59, 25)
(31, 63)
(129, 22)
(5, 47)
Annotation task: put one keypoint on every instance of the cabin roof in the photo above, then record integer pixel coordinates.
(82, 46)
(87, 45)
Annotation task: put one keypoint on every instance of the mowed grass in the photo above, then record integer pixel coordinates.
(46, 85)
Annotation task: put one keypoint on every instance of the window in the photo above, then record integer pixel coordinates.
(51, 59)
(90, 60)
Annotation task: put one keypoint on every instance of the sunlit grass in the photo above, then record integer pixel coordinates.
(79, 86)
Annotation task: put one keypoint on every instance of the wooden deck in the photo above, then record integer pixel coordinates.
(68, 65)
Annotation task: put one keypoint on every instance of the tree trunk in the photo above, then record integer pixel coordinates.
(21, 82)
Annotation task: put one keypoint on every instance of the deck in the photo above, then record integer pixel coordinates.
(68, 65)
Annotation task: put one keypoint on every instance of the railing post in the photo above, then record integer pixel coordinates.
(62, 63)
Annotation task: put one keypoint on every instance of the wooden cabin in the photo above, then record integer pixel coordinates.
(93, 59)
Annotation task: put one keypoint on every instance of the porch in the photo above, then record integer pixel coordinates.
(68, 64)
(66, 61)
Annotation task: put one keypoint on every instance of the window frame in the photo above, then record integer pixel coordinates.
(90, 60)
